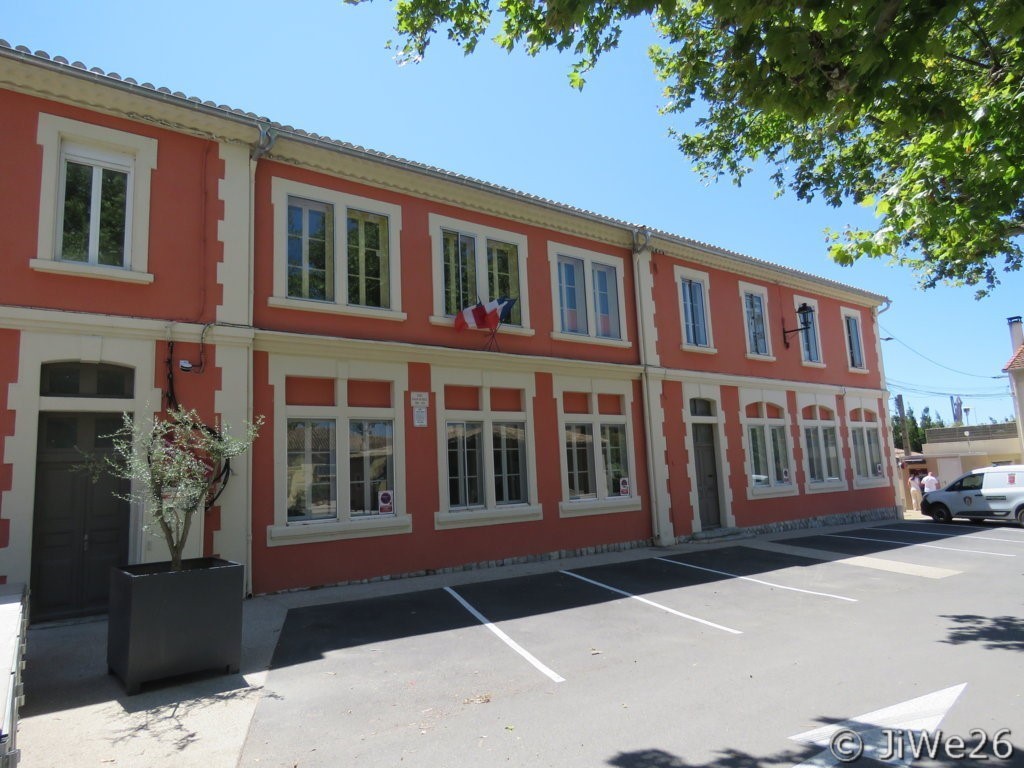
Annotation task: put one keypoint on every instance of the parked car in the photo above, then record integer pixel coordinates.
(995, 493)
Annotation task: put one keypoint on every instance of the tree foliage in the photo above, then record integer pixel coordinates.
(177, 464)
(911, 108)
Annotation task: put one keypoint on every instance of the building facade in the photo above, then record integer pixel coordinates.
(643, 388)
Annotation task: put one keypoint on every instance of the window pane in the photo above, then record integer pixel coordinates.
(113, 217)
(616, 462)
(572, 295)
(77, 211)
(814, 463)
(759, 456)
(465, 464)
(860, 460)
(780, 453)
(503, 275)
(694, 325)
(311, 480)
(310, 250)
(459, 271)
(853, 342)
(755, 324)
(809, 337)
(371, 447)
(579, 455)
(509, 447)
(368, 260)
(874, 453)
(606, 302)
(831, 452)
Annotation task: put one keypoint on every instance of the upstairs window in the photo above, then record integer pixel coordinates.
(695, 326)
(810, 346)
(95, 189)
(310, 250)
(335, 252)
(754, 314)
(854, 344)
(475, 263)
(94, 200)
(588, 292)
(369, 283)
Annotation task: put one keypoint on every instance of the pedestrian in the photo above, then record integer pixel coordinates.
(915, 491)
(930, 482)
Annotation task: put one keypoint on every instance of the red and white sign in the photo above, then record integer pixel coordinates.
(623, 486)
(386, 502)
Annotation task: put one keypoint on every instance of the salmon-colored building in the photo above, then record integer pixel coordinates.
(643, 388)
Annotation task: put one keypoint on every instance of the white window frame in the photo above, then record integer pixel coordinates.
(815, 327)
(863, 405)
(778, 399)
(846, 314)
(762, 291)
(344, 525)
(602, 502)
(481, 233)
(102, 146)
(821, 401)
(281, 190)
(589, 260)
(490, 512)
(685, 273)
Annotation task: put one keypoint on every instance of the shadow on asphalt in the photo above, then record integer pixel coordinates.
(994, 632)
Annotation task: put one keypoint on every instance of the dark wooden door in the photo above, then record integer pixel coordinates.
(705, 459)
(80, 528)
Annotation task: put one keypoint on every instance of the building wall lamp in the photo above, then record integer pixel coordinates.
(803, 314)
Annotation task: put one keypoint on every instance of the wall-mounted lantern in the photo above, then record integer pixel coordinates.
(803, 314)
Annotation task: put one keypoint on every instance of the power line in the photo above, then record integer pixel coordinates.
(933, 362)
(925, 389)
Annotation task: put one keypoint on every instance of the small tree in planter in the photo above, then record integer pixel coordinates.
(177, 467)
(181, 616)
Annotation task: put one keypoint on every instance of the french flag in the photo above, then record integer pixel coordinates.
(487, 315)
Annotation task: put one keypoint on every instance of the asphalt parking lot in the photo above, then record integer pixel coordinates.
(729, 654)
(757, 653)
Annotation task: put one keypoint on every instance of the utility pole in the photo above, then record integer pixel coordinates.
(903, 425)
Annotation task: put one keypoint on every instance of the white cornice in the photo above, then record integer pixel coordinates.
(284, 343)
(37, 75)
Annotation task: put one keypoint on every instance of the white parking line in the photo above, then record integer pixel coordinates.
(959, 524)
(505, 638)
(948, 535)
(757, 581)
(910, 544)
(652, 603)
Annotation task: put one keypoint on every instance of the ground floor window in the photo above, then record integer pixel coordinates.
(867, 452)
(822, 454)
(584, 474)
(312, 469)
(769, 455)
(579, 461)
(371, 452)
(509, 446)
(465, 464)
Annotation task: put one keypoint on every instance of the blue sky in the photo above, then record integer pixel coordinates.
(514, 121)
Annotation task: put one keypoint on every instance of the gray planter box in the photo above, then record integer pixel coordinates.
(164, 623)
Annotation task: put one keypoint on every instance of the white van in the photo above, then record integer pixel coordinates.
(995, 493)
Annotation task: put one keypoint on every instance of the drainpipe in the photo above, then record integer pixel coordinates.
(898, 486)
(661, 523)
(263, 145)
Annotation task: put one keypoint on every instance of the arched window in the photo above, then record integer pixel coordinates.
(769, 450)
(76, 379)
